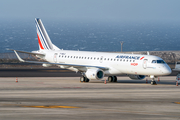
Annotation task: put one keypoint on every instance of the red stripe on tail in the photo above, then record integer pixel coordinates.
(40, 44)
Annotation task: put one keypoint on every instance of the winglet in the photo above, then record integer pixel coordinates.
(19, 57)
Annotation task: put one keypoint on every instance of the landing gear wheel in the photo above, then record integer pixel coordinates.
(84, 79)
(114, 79)
(153, 82)
(110, 78)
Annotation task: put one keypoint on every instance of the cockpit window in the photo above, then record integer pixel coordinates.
(154, 61)
(158, 61)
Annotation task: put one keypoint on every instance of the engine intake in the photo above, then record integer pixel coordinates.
(137, 77)
(94, 74)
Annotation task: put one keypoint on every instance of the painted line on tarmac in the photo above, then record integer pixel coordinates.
(45, 106)
(51, 106)
(177, 102)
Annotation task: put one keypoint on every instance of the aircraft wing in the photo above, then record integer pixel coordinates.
(63, 64)
(32, 53)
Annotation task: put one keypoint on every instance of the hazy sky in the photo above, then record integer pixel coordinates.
(91, 9)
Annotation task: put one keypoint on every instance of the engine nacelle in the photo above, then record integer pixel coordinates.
(94, 74)
(137, 77)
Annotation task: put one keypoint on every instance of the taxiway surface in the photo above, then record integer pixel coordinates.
(37, 72)
(45, 98)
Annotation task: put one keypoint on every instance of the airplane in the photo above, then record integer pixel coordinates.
(95, 65)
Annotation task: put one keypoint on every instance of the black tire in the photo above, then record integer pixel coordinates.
(86, 80)
(110, 78)
(153, 82)
(114, 79)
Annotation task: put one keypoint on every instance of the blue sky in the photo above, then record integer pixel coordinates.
(110, 10)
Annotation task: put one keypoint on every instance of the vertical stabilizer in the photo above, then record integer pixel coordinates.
(43, 38)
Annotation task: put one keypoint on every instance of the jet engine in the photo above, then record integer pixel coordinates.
(137, 77)
(94, 74)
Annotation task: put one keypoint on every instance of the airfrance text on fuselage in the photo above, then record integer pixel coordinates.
(128, 57)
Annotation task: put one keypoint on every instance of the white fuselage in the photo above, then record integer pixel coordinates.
(117, 63)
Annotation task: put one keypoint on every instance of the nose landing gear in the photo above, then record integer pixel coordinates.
(153, 82)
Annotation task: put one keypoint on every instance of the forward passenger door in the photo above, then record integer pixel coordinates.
(145, 63)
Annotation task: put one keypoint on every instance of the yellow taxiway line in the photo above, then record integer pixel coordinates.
(177, 102)
(52, 106)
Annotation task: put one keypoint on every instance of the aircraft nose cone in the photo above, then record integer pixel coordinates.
(167, 71)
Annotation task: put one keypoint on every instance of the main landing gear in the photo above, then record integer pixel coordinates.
(112, 79)
(84, 79)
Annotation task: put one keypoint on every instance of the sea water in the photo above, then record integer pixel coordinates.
(92, 35)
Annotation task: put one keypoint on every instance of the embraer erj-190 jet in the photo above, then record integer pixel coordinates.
(95, 65)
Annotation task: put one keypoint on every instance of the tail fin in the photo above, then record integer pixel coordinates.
(43, 38)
